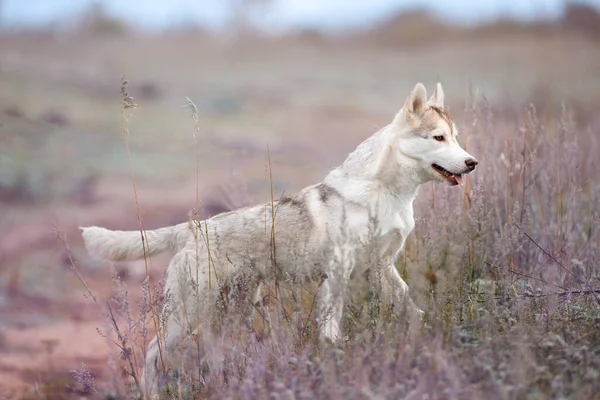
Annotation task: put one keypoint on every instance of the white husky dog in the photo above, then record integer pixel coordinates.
(356, 220)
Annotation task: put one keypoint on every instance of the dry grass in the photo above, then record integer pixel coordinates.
(506, 268)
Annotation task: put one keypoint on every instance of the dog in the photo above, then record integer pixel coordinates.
(356, 220)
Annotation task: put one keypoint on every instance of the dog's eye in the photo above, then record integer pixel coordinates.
(439, 138)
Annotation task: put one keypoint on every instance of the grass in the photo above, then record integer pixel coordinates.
(506, 270)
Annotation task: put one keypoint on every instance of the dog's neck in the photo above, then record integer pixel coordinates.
(374, 166)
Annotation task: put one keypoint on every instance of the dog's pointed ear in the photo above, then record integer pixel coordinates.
(415, 102)
(437, 98)
(414, 105)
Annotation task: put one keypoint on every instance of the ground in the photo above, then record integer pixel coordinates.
(304, 100)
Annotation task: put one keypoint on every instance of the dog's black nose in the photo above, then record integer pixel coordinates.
(471, 163)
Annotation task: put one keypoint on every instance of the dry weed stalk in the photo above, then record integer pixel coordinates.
(127, 103)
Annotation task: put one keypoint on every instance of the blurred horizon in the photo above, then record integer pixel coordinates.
(274, 16)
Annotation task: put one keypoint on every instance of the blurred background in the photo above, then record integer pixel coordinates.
(300, 81)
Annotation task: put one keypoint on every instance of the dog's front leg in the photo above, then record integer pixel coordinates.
(331, 295)
(395, 292)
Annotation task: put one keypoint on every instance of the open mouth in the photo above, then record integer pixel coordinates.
(454, 179)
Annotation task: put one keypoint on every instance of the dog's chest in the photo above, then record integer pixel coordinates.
(394, 233)
(395, 226)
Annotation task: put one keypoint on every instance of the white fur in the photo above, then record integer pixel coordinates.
(355, 221)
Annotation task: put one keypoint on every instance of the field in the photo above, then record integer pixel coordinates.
(506, 266)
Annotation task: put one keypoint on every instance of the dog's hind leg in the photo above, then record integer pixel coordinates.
(187, 299)
(152, 368)
(157, 359)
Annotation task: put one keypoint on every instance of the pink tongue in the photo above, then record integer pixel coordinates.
(458, 179)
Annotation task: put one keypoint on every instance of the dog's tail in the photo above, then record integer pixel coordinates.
(129, 245)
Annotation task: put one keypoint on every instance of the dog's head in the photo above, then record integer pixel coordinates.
(427, 138)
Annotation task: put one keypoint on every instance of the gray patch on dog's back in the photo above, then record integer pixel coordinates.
(326, 191)
(292, 201)
(296, 204)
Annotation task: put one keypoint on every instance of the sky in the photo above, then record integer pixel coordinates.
(280, 15)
